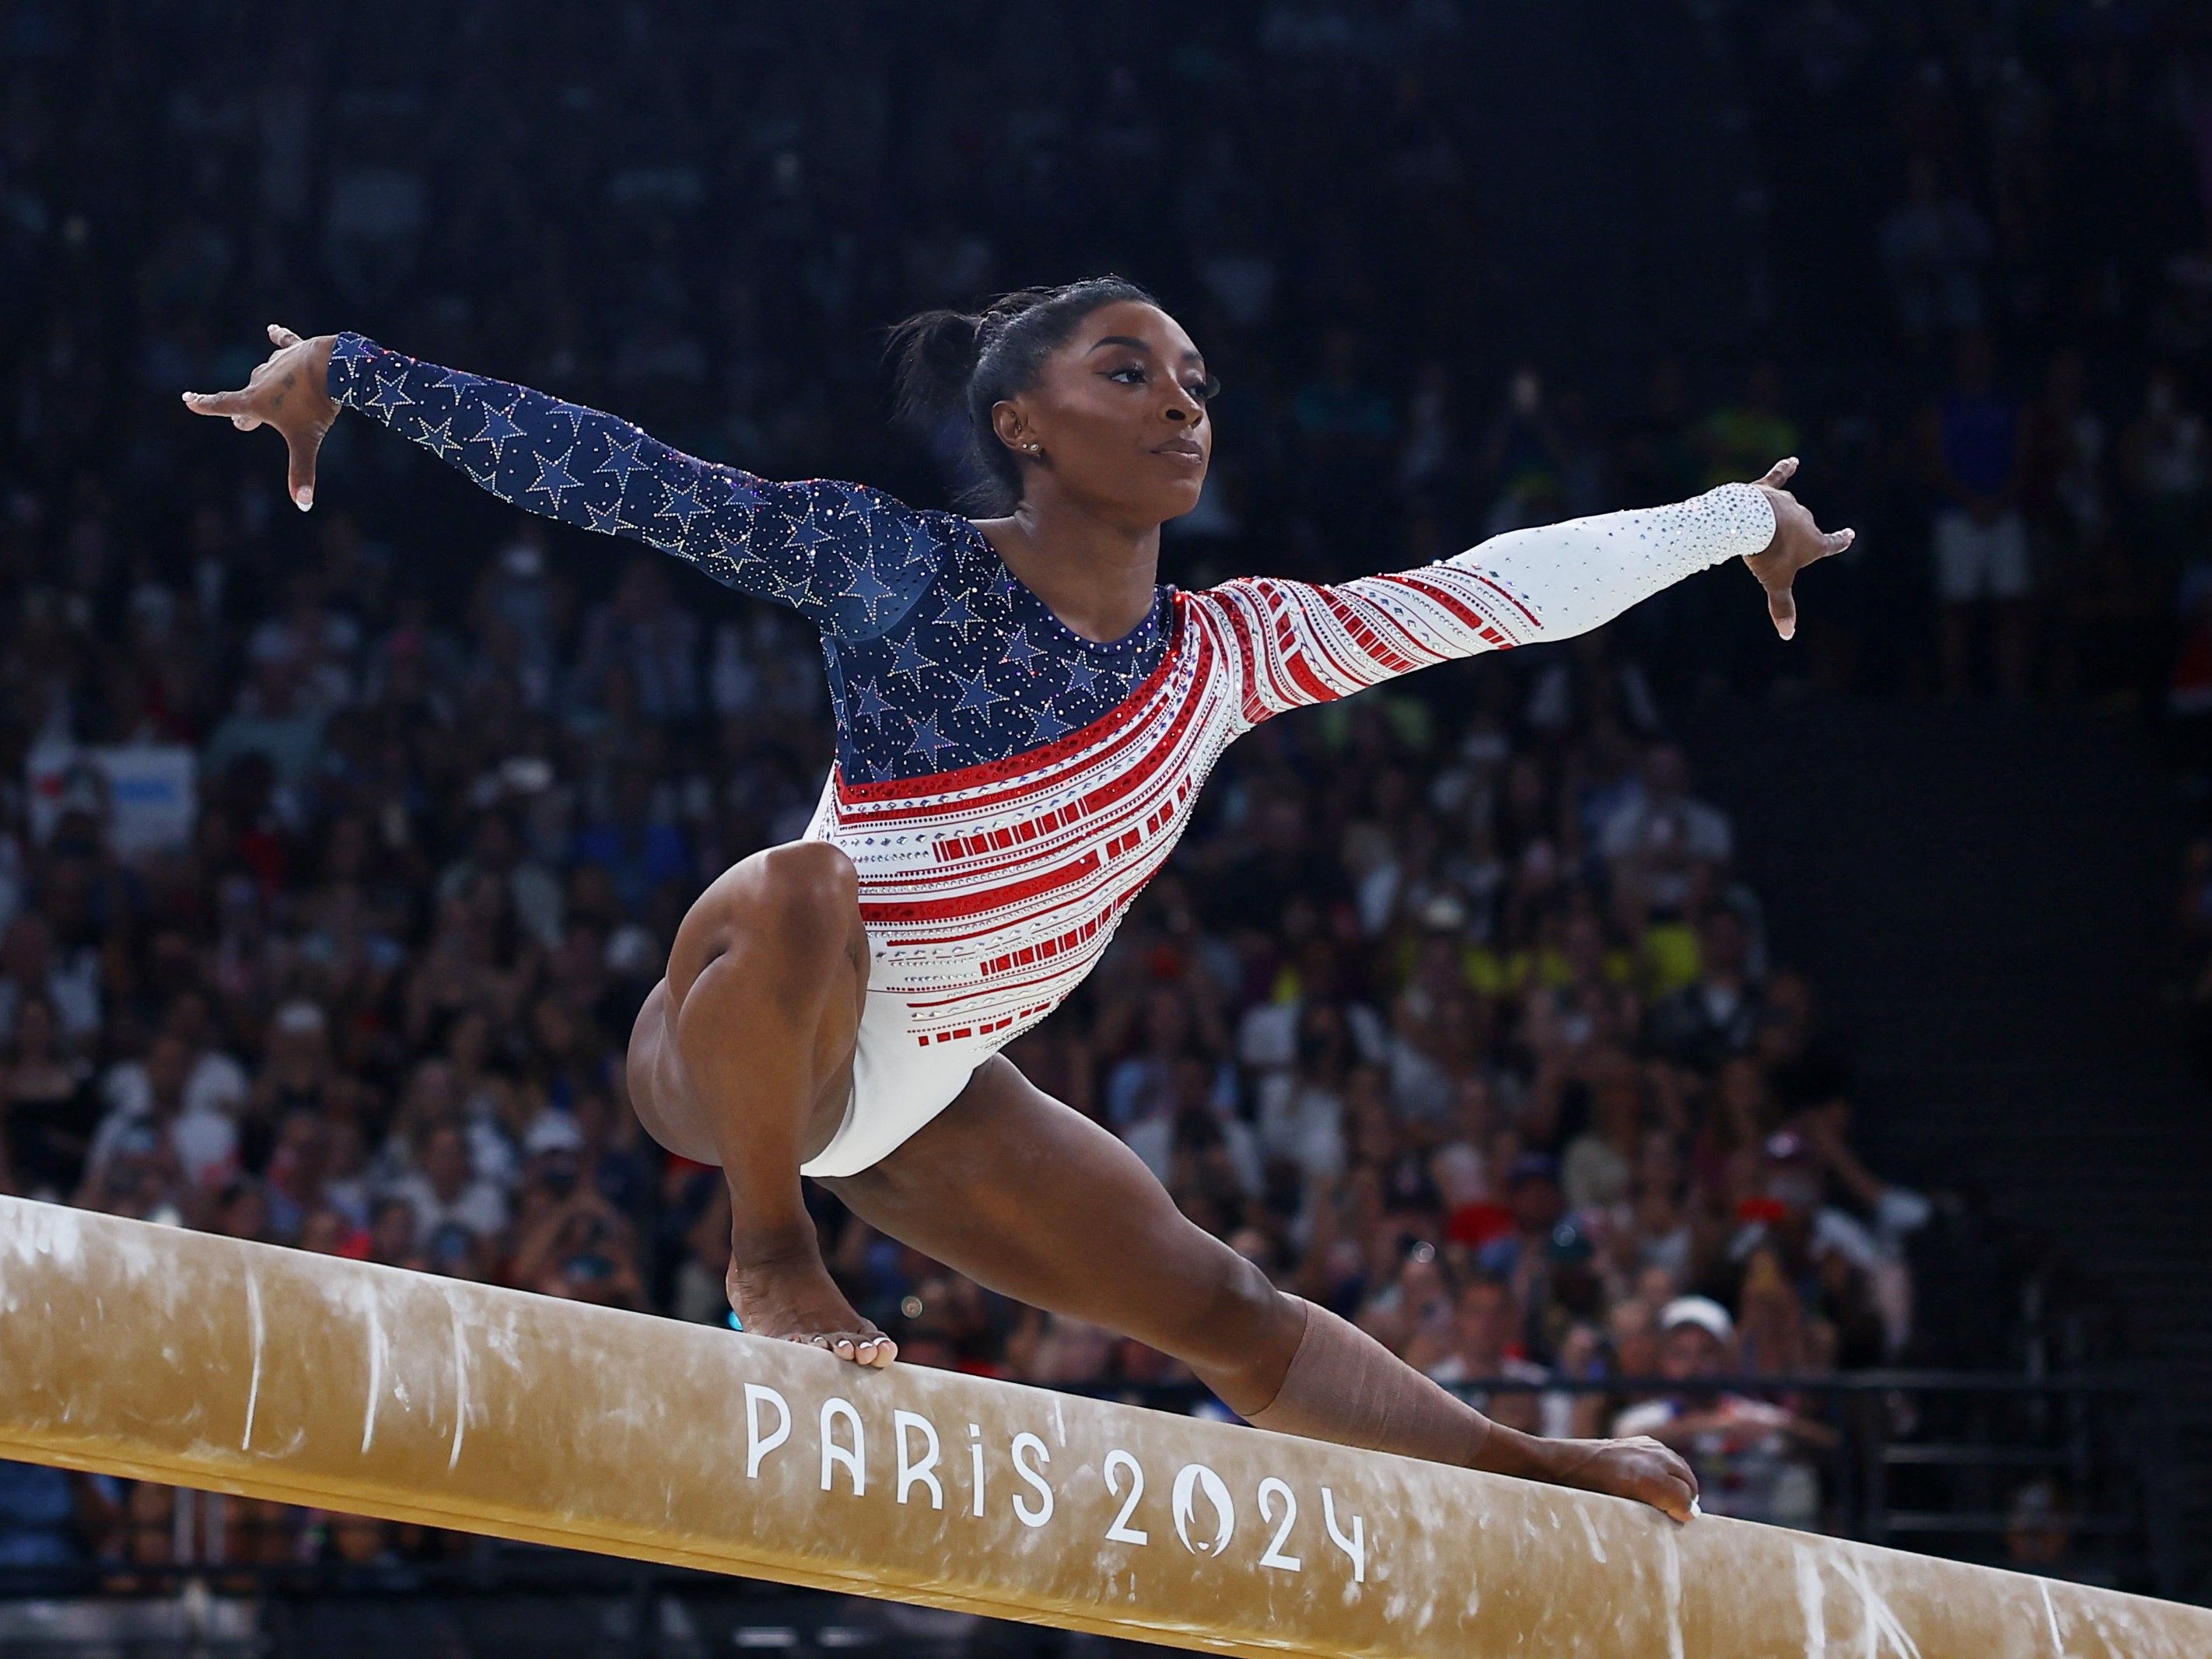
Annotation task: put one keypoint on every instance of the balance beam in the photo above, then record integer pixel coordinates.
(136, 1350)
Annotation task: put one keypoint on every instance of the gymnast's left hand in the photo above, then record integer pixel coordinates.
(1797, 543)
(1637, 1468)
(291, 392)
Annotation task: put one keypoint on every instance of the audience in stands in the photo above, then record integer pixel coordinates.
(336, 853)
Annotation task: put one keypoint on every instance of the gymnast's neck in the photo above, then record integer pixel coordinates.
(1094, 570)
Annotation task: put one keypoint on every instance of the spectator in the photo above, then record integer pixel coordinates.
(1748, 1455)
(1934, 245)
(1666, 849)
(68, 979)
(2165, 464)
(1973, 437)
(202, 1142)
(50, 1111)
(1717, 1014)
(446, 1189)
(1736, 440)
(1488, 962)
(1345, 426)
(532, 890)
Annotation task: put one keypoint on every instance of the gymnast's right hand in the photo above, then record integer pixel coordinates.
(787, 1293)
(291, 392)
(1638, 1467)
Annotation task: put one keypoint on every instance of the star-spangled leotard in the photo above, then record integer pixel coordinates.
(1004, 786)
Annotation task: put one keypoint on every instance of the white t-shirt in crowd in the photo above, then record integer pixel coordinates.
(217, 1083)
(205, 1142)
(480, 1206)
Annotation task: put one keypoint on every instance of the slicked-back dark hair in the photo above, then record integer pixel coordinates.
(955, 363)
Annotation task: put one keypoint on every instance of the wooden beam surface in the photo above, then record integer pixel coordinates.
(143, 1351)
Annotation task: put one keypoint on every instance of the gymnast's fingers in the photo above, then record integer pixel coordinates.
(282, 335)
(302, 448)
(1688, 1474)
(1781, 606)
(1779, 473)
(235, 404)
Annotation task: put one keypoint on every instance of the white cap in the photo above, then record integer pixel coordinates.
(552, 1131)
(300, 1018)
(1699, 1310)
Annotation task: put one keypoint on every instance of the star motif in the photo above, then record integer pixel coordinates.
(975, 694)
(622, 460)
(553, 476)
(1080, 675)
(909, 659)
(806, 535)
(957, 617)
(499, 428)
(1048, 724)
(926, 741)
(438, 437)
(682, 505)
(788, 586)
(350, 349)
(570, 413)
(873, 707)
(606, 520)
(738, 548)
(1020, 652)
(456, 381)
(389, 397)
(868, 588)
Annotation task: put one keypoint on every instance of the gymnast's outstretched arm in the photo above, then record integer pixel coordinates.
(1305, 642)
(848, 557)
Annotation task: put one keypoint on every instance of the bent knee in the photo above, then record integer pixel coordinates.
(800, 901)
(809, 882)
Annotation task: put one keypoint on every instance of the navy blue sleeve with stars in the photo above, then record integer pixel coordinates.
(937, 659)
(851, 559)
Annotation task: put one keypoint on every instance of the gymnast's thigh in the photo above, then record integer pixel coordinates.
(1030, 1198)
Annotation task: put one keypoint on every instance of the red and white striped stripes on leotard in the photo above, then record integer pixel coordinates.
(988, 892)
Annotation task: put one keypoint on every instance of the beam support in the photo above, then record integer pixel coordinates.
(143, 1351)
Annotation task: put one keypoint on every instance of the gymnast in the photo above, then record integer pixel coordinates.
(1025, 715)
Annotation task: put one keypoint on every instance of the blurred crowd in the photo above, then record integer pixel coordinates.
(337, 852)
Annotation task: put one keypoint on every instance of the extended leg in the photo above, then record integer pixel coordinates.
(743, 1056)
(1032, 1198)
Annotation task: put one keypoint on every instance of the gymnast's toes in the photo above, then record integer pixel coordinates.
(874, 1350)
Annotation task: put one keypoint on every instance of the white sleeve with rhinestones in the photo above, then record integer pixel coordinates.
(1570, 577)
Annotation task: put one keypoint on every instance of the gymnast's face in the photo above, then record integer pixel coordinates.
(1116, 420)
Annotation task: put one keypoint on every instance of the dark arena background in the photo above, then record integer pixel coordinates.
(1858, 988)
